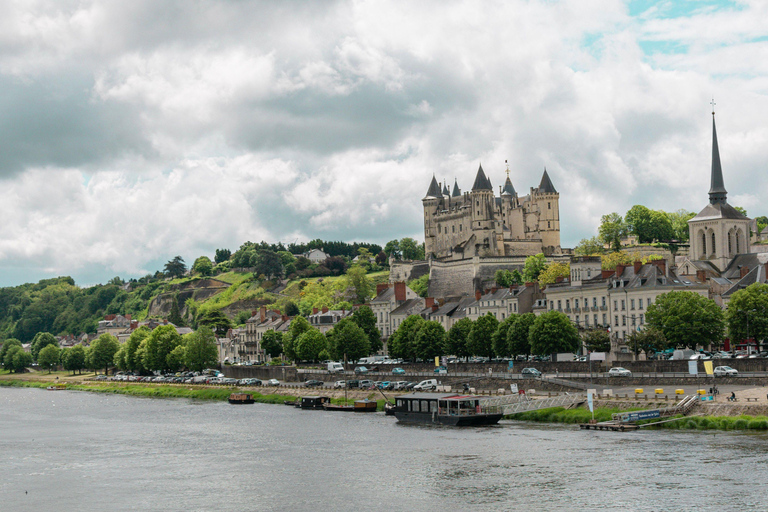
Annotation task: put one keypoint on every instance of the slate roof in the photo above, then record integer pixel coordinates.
(456, 190)
(546, 187)
(481, 182)
(508, 189)
(750, 260)
(384, 296)
(756, 275)
(446, 192)
(717, 192)
(718, 211)
(434, 189)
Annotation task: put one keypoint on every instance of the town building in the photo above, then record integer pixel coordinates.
(388, 298)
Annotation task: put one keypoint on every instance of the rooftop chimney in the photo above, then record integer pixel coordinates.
(314, 311)
(478, 294)
(662, 264)
(263, 313)
(619, 270)
(429, 302)
(380, 288)
(743, 270)
(638, 265)
(605, 274)
(325, 310)
(400, 291)
(701, 275)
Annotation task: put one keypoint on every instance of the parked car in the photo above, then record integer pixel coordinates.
(366, 384)
(619, 372)
(352, 384)
(426, 385)
(339, 384)
(313, 384)
(383, 384)
(361, 369)
(725, 371)
(398, 371)
(531, 371)
(273, 382)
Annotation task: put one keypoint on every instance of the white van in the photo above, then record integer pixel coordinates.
(335, 367)
(426, 385)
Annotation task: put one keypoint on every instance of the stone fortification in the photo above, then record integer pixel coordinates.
(404, 271)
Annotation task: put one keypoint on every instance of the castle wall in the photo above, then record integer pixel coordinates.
(404, 271)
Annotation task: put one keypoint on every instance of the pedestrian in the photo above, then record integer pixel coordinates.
(732, 398)
(557, 372)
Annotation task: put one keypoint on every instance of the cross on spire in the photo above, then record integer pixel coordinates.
(713, 105)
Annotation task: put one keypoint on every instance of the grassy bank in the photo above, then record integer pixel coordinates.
(561, 415)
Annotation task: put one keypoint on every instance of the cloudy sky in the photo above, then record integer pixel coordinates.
(132, 131)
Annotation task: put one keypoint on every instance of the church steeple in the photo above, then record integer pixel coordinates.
(717, 192)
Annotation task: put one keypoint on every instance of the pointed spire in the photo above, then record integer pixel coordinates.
(717, 192)
(446, 192)
(508, 189)
(481, 182)
(456, 191)
(546, 187)
(434, 189)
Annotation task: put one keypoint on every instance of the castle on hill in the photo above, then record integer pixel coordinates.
(460, 226)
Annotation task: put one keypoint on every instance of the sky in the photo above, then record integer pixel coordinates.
(134, 131)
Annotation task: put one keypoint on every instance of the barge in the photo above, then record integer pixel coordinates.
(445, 409)
(241, 398)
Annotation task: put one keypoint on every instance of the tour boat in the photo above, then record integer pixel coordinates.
(241, 398)
(445, 409)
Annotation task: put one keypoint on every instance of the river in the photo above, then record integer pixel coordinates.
(68, 450)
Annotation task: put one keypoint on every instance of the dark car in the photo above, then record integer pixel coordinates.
(531, 371)
(313, 383)
(351, 384)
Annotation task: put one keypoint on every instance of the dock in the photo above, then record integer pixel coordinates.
(609, 425)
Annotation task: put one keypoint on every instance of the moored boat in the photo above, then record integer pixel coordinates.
(339, 408)
(445, 409)
(313, 402)
(365, 405)
(241, 398)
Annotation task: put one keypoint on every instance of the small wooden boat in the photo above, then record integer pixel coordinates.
(366, 405)
(241, 398)
(389, 408)
(57, 387)
(341, 408)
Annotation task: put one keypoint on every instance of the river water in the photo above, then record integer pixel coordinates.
(69, 450)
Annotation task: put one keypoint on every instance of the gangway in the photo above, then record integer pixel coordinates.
(683, 407)
(522, 403)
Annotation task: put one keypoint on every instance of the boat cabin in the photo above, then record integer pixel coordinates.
(314, 402)
(442, 404)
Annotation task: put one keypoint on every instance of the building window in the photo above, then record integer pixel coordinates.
(649, 302)
(631, 303)
(615, 305)
(460, 226)
(603, 301)
(703, 243)
(714, 246)
(551, 305)
(559, 306)
(549, 225)
(623, 305)
(616, 320)
(453, 229)
(577, 319)
(595, 318)
(640, 303)
(567, 304)
(604, 319)
(641, 319)
(623, 319)
(575, 303)
(515, 307)
(594, 302)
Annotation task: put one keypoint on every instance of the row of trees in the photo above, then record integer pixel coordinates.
(353, 337)
(535, 268)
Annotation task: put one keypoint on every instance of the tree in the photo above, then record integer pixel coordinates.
(661, 227)
(357, 279)
(533, 267)
(411, 249)
(686, 319)
(392, 249)
(648, 340)
(456, 339)
(762, 223)
(381, 258)
(133, 360)
(597, 340)
(589, 247)
(429, 340)
(156, 347)
(679, 220)
(203, 266)
(48, 357)
(609, 261)
(200, 350)
(269, 264)
(553, 332)
(638, 222)
(309, 345)
(7, 344)
(500, 345)
(176, 267)
(41, 339)
(16, 359)
(504, 278)
(217, 321)
(222, 255)
(298, 326)
(612, 229)
(272, 343)
(102, 352)
(348, 339)
(175, 315)
(480, 341)
(402, 341)
(74, 359)
(366, 320)
(420, 286)
(747, 312)
(518, 335)
(552, 271)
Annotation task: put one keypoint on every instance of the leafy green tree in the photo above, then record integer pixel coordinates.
(504, 278)
(156, 347)
(222, 255)
(348, 339)
(7, 344)
(609, 261)
(597, 340)
(500, 345)
(200, 350)
(381, 258)
(480, 340)
(456, 339)
(679, 220)
(533, 267)
(102, 352)
(41, 340)
(358, 280)
(638, 222)
(133, 359)
(402, 342)
(589, 247)
(176, 267)
(203, 266)
(429, 340)
(175, 315)
(16, 359)
(648, 340)
(48, 357)
(175, 360)
(553, 332)
(411, 249)
(552, 271)
(518, 337)
(392, 249)
(687, 319)
(612, 229)
(748, 311)
(309, 345)
(269, 264)
(74, 359)
(420, 285)
(215, 320)
(272, 343)
(366, 320)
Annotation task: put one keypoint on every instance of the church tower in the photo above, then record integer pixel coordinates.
(719, 232)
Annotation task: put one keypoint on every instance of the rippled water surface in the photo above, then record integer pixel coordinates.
(68, 450)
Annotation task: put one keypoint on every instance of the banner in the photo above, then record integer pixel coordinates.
(590, 403)
(693, 367)
(437, 360)
(708, 368)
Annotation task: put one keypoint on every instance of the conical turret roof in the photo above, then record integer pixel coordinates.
(508, 189)
(546, 187)
(481, 182)
(434, 189)
(446, 192)
(456, 191)
(717, 192)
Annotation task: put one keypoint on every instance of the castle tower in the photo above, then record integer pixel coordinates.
(481, 198)
(719, 232)
(548, 201)
(431, 203)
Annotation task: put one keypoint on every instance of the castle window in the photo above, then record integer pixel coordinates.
(549, 205)
(460, 226)
(548, 224)
(453, 229)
